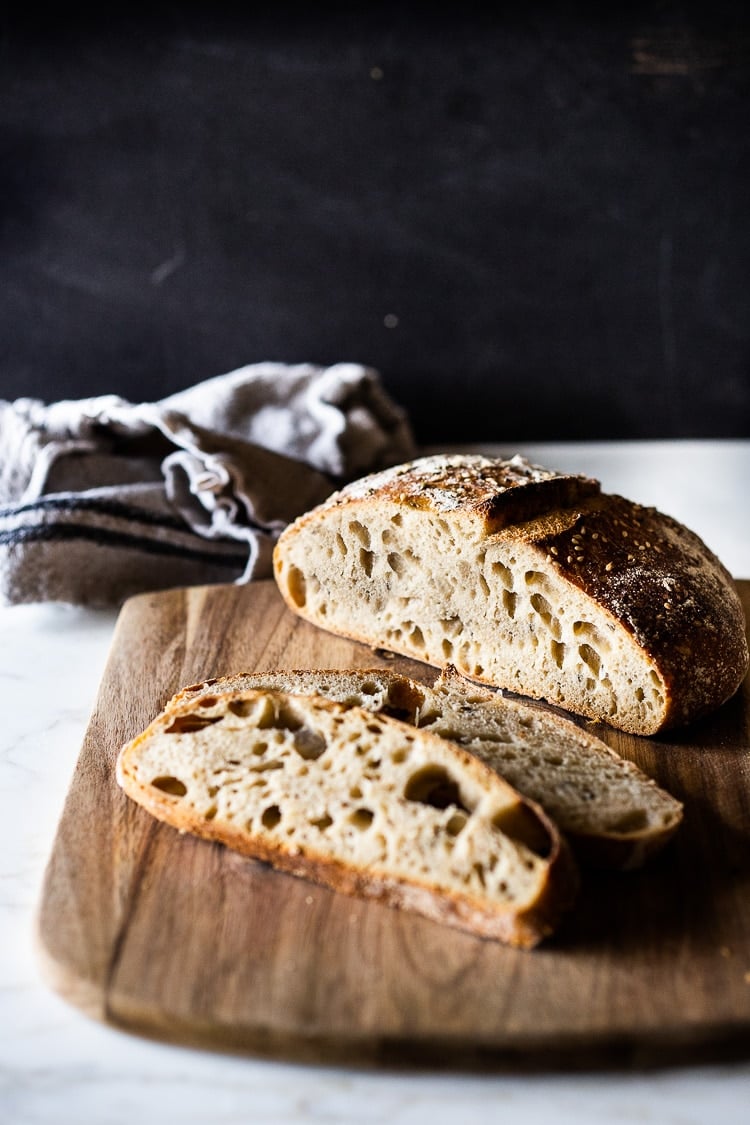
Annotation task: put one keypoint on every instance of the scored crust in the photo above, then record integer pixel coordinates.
(526, 580)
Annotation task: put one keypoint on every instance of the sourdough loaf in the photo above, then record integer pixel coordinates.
(611, 813)
(527, 580)
(359, 802)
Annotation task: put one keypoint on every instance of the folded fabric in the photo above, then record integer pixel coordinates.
(101, 498)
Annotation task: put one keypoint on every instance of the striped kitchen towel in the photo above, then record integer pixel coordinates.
(101, 498)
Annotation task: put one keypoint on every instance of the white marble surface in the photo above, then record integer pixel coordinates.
(59, 1066)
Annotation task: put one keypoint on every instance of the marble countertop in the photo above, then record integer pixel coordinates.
(58, 1065)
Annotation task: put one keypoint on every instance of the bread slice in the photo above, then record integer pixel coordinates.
(379, 690)
(613, 815)
(359, 802)
(526, 580)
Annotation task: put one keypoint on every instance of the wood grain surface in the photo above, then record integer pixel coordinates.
(169, 936)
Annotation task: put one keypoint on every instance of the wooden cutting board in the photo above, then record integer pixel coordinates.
(178, 938)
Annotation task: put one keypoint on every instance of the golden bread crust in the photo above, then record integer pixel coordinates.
(653, 579)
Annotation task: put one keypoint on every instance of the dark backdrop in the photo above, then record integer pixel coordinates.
(534, 224)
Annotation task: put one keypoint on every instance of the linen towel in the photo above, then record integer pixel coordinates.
(101, 498)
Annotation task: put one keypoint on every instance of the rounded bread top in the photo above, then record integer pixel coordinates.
(498, 491)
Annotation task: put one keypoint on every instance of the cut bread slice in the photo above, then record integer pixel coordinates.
(612, 813)
(526, 580)
(359, 802)
(376, 689)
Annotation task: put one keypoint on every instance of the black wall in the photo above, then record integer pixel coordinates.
(534, 224)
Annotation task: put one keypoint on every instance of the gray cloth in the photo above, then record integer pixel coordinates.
(101, 498)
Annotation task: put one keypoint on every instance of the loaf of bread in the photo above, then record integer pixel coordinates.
(359, 802)
(612, 814)
(526, 580)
